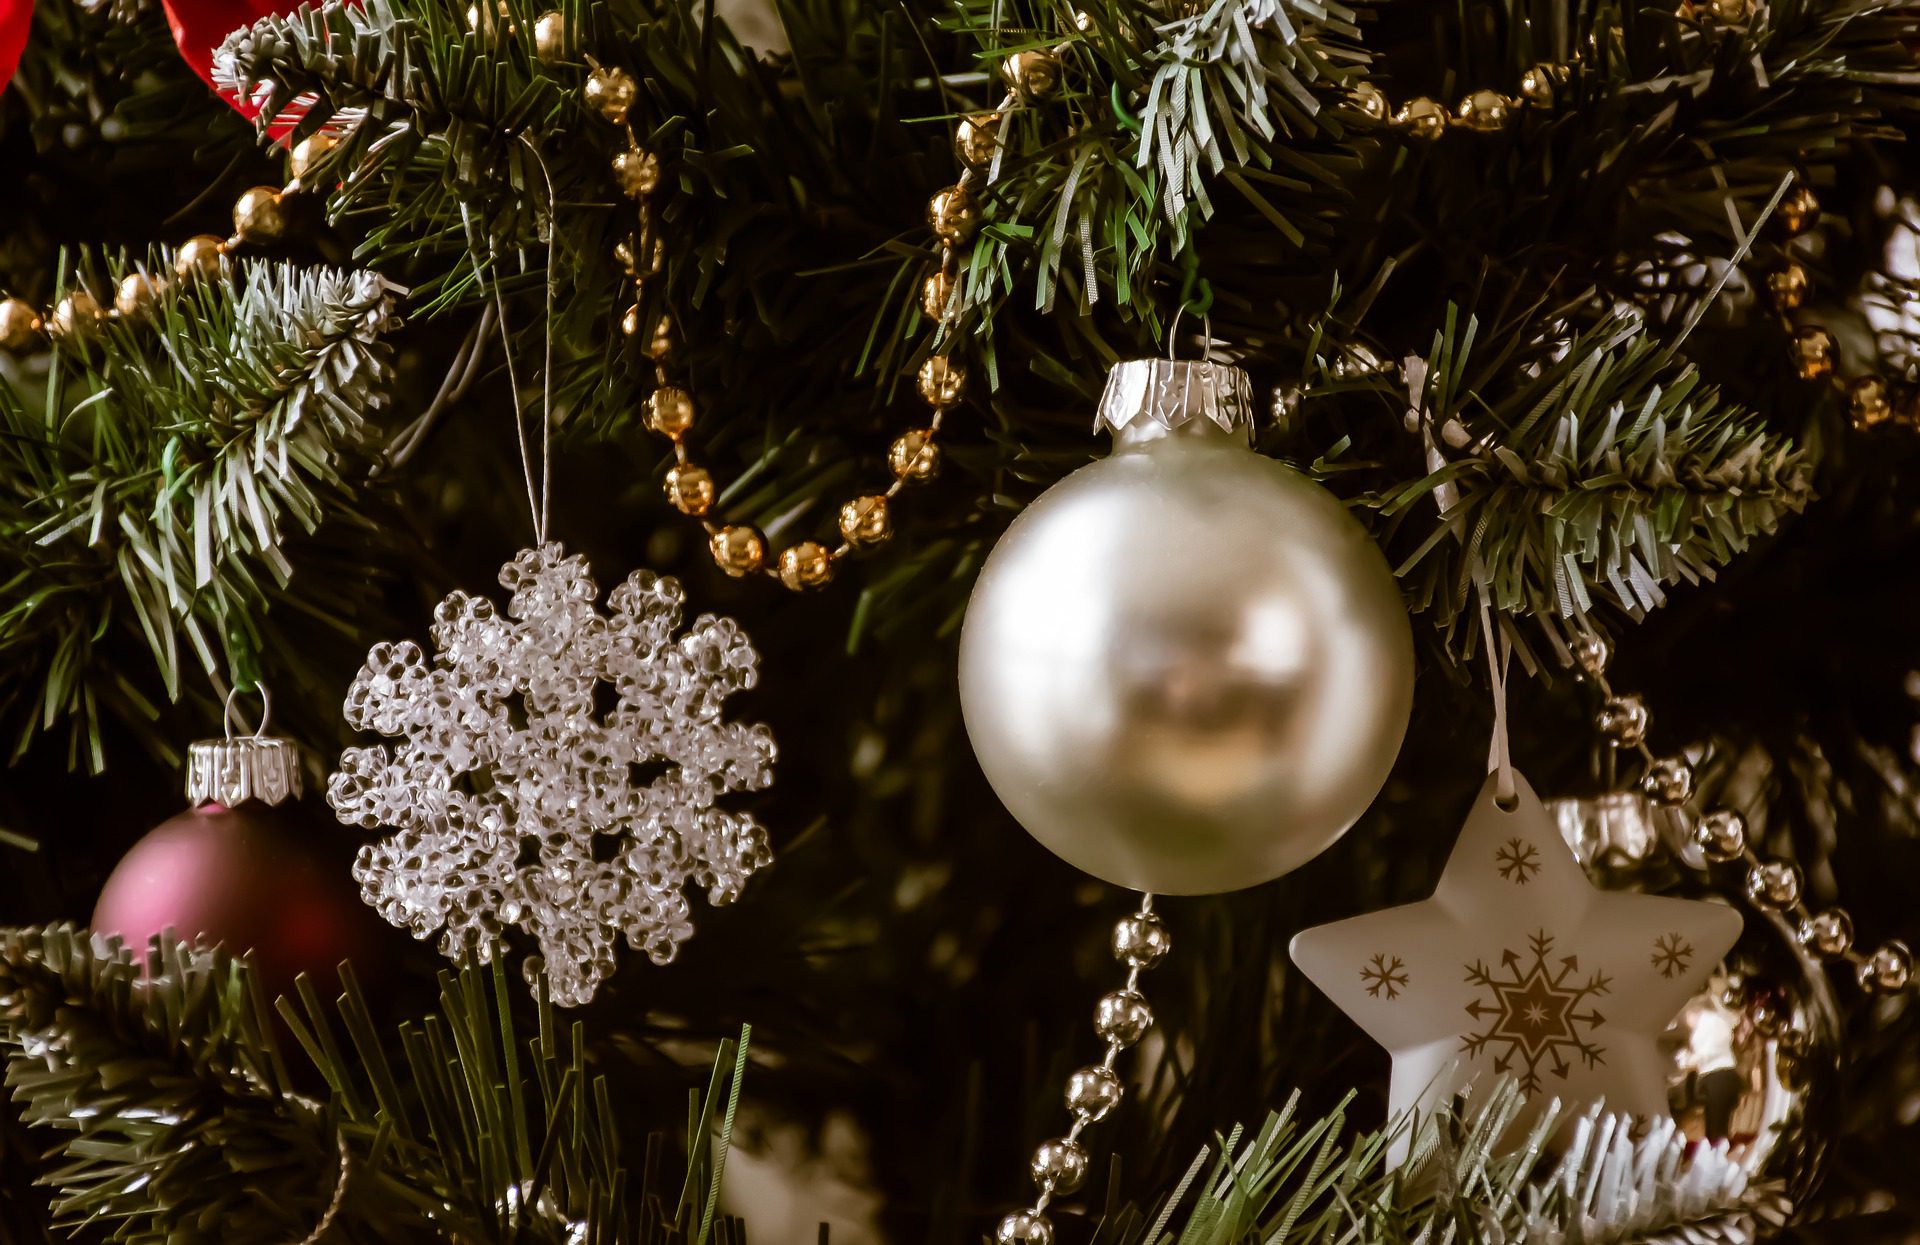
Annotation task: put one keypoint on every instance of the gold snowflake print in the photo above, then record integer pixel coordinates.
(1384, 975)
(1671, 954)
(1540, 1016)
(1518, 861)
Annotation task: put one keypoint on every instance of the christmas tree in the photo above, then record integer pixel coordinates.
(595, 436)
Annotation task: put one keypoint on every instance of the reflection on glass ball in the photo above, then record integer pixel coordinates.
(1751, 1062)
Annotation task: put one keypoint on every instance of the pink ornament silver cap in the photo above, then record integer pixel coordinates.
(252, 767)
(1148, 398)
(234, 770)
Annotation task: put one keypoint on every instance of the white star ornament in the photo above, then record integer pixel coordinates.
(1518, 967)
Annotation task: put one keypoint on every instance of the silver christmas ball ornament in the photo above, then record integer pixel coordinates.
(1186, 668)
(1753, 1063)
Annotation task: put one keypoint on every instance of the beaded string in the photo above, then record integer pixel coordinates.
(865, 521)
(1120, 1019)
(259, 219)
(1485, 111)
(1721, 837)
(1870, 400)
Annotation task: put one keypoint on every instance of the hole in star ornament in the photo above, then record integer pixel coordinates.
(1520, 968)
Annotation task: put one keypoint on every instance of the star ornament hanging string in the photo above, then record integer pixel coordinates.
(1519, 967)
(515, 797)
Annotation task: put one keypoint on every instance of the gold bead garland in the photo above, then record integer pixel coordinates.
(1482, 112)
(258, 217)
(1120, 1019)
(866, 521)
(1811, 347)
(1720, 835)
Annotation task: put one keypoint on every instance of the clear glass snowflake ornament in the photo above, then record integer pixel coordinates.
(558, 771)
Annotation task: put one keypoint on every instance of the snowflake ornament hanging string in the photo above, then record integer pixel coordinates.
(516, 799)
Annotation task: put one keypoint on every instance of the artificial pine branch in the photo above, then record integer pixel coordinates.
(179, 453)
(1469, 1174)
(1598, 468)
(173, 1120)
(167, 1114)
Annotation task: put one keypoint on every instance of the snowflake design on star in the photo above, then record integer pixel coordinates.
(558, 771)
(1536, 1025)
(1671, 954)
(1517, 861)
(1384, 974)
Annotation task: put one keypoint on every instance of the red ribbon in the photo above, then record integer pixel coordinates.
(199, 27)
(16, 18)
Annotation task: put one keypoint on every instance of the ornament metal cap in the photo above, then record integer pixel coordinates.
(251, 767)
(1157, 396)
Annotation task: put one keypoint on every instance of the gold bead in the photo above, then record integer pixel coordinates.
(550, 36)
(738, 550)
(136, 295)
(660, 345)
(670, 411)
(951, 216)
(1787, 286)
(1035, 74)
(638, 172)
(20, 326)
(866, 520)
(941, 380)
(1422, 119)
(75, 313)
(1485, 111)
(977, 138)
(1536, 86)
(623, 253)
(259, 215)
(1813, 352)
(935, 294)
(656, 256)
(914, 456)
(630, 320)
(611, 92)
(805, 566)
(1799, 211)
(690, 488)
(198, 256)
(1867, 401)
(1370, 100)
(309, 151)
(1728, 12)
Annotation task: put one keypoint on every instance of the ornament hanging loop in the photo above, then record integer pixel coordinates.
(1499, 748)
(231, 716)
(243, 767)
(1206, 331)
